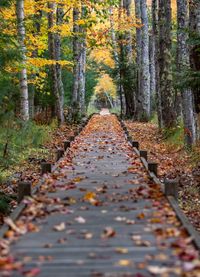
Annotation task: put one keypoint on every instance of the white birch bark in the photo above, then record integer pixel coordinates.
(183, 62)
(23, 74)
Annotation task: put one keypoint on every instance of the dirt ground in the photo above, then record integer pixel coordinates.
(174, 162)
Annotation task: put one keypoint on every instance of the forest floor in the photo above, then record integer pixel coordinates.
(174, 162)
(29, 169)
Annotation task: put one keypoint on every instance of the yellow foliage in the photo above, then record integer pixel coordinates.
(104, 56)
(106, 85)
(41, 62)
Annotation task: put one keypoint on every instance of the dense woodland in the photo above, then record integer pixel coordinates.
(60, 58)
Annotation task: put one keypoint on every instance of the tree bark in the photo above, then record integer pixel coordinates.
(82, 66)
(76, 58)
(126, 63)
(61, 91)
(152, 69)
(138, 55)
(195, 56)
(183, 62)
(144, 97)
(155, 31)
(165, 64)
(54, 53)
(23, 74)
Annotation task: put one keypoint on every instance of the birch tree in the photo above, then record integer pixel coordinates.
(183, 62)
(23, 74)
(165, 64)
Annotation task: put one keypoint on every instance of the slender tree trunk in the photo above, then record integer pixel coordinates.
(165, 64)
(182, 65)
(152, 69)
(195, 56)
(37, 26)
(61, 91)
(138, 56)
(76, 53)
(54, 52)
(117, 62)
(155, 31)
(127, 61)
(82, 66)
(23, 74)
(144, 96)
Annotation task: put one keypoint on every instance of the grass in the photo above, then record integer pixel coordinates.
(19, 142)
(92, 109)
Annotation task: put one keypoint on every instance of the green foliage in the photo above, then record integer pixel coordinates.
(18, 140)
(5, 202)
(174, 136)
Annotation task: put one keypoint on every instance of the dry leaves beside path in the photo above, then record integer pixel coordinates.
(98, 214)
(174, 162)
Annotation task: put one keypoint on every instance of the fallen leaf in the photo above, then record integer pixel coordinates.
(80, 220)
(108, 232)
(121, 250)
(60, 227)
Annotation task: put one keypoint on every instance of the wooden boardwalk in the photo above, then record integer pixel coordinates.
(99, 214)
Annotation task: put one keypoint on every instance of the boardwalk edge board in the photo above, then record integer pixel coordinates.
(173, 202)
(19, 209)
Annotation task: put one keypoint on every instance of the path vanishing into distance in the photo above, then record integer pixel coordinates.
(98, 214)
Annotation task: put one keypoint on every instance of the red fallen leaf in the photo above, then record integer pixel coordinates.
(5, 260)
(32, 272)
(188, 255)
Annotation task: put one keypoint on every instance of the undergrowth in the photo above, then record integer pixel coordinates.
(18, 142)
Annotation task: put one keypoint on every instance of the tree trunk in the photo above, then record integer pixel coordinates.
(126, 63)
(144, 97)
(195, 55)
(76, 58)
(165, 64)
(82, 64)
(182, 65)
(54, 53)
(61, 91)
(37, 27)
(152, 69)
(155, 31)
(23, 74)
(138, 56)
